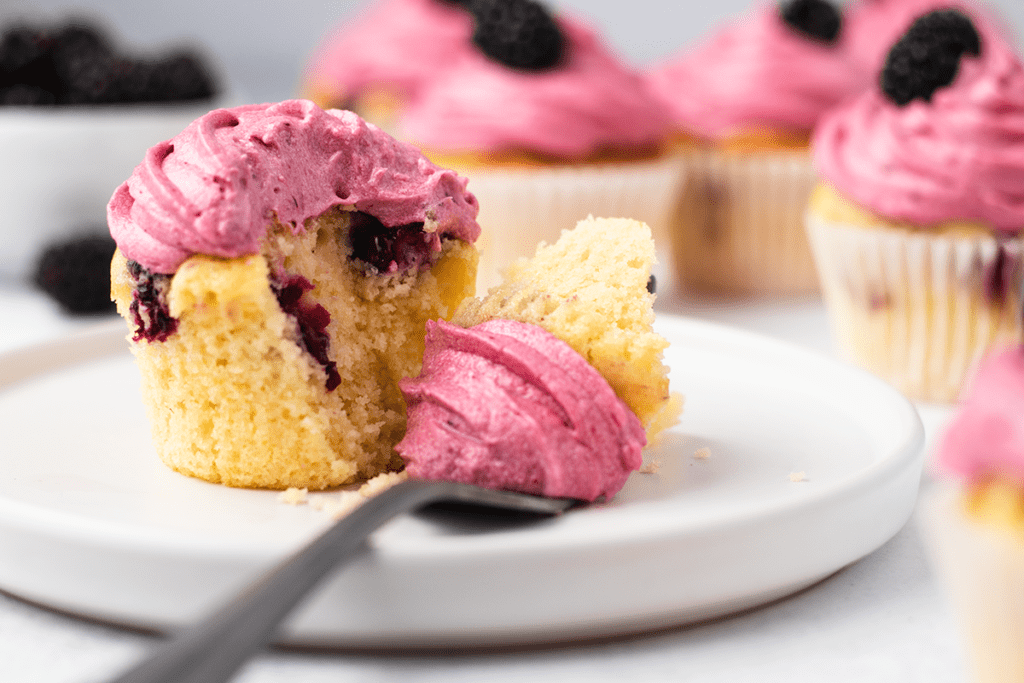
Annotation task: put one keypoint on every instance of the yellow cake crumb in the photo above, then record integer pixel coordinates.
(293, 496)
(797, 477)
(650, 467)
(342, 503)
(702, 453)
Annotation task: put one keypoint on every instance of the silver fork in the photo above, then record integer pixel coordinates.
(212, 650)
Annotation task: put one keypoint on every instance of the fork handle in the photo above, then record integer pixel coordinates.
(213, 650)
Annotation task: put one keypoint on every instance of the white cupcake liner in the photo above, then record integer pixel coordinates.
(982, 570)
(738, 226)
(916, 308)
(519, 208)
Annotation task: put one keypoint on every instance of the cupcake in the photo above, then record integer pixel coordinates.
(549, 127)
(915, 224)
(277, 265)
(552, 382)
(744, 103)
(375, 63)
(975, 518)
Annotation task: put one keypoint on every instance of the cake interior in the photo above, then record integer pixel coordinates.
(590, 289)
(283, 367)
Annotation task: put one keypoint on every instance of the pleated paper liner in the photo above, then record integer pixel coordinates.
(738, 225)
(520, 207)
(918, 309)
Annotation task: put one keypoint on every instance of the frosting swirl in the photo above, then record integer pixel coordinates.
(215, 187)
(961, 156)
(586, 103)
(756, 72)
(986, 438)
(400, 43)
(507, 405)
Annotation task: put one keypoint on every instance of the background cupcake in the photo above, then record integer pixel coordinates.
(376, 62)
(976, 518)
(549, 126)
(744, 103)
(916, 222)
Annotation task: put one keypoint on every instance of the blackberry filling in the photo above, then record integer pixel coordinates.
(388, 250)
(312, 319)
(150, 315)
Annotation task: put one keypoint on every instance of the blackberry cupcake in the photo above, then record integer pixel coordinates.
(975, 518)
(277, 265)
(744, 103)
(916, 221)
(549, 126)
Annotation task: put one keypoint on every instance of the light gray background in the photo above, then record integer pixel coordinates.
(263, 44)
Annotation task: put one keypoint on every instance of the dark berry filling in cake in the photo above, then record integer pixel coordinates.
(312, 319)
(927, 57)
(150, 315)
(388, 250)
(76, 273)
(815, 19)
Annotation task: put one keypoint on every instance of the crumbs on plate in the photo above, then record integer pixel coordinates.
(798, 476)
(650, 467)
(293, 496)
(702, 453)
(340, 503)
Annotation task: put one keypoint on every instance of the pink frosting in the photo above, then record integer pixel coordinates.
(401, 43)
(587, 102)
(986, 438)
(506, 405)
(961, 156)
(213, 188)
(757, 71)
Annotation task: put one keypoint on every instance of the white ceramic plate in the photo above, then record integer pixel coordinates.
(92, 523)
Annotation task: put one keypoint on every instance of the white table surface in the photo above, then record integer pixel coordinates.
(882, 619)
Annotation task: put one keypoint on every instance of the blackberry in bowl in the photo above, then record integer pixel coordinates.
(77, 111)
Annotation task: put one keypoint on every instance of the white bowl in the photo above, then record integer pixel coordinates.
(59, 166)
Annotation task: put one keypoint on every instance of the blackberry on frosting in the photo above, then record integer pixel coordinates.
(927, 57)
(816, 19)
(520, 34)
